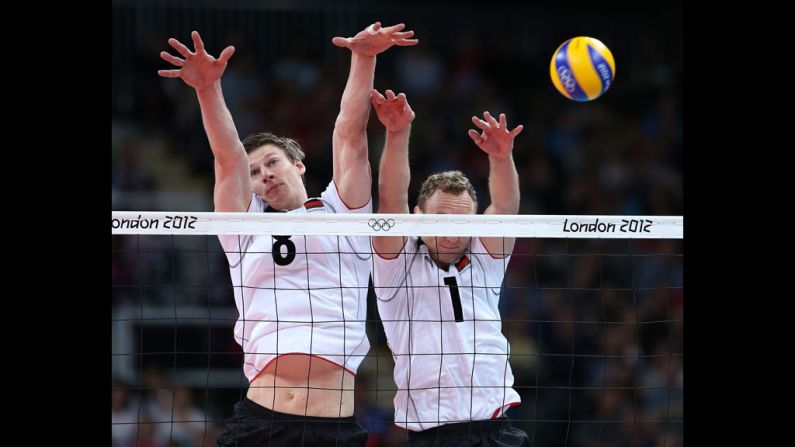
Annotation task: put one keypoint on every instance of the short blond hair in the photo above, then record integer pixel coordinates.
(451, 182)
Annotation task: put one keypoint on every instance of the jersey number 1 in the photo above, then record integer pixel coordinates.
(457, 312)
(276, 251)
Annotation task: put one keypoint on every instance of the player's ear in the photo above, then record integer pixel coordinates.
(301, 167)
(417, 210)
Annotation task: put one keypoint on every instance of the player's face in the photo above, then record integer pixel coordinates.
(447, 249)
(275, 178)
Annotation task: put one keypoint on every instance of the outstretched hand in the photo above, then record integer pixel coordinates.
(199, 70)
(393, 111)
(495, 138)
(374, 39)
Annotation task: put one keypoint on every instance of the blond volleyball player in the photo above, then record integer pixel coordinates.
(438, 296)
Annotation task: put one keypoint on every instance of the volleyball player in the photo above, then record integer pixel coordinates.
(438, 296)
(301, 299)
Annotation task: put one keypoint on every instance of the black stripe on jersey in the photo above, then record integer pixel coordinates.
(455, 297)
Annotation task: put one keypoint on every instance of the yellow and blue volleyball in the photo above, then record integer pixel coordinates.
(582, 68)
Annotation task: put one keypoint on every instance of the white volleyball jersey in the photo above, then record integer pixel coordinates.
(301, 294)
(444, 330)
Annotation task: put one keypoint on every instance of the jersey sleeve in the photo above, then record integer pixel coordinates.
(494, 268)
(389, 274)
(233, 244)
(331, 198)
(334, 204)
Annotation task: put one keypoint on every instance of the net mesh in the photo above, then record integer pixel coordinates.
(592, 316)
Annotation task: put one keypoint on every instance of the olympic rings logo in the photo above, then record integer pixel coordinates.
(381, 224)
(567, 78)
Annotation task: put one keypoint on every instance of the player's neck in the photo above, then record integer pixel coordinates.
(442, 265)
(446, 265)
(294, 204)
(300, 200)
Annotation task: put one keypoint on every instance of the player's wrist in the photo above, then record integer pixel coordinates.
(507, 157)
(210, 88)
(366, 56)
(399, 130)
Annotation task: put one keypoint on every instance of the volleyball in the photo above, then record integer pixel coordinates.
(582, 68)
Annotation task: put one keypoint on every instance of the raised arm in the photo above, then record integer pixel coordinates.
(394, 175)
(497, 141)
(203, 72)
(351, 165)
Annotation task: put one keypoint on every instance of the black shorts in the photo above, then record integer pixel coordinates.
(253, 425)
(495, 432)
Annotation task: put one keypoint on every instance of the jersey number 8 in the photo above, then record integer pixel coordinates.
(278, 258)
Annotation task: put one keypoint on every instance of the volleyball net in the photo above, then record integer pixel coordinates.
(590, 311)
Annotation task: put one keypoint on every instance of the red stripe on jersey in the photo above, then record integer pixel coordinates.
(500, 410)
(463, 262)
(313, 203)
